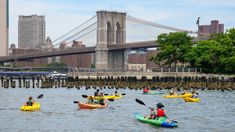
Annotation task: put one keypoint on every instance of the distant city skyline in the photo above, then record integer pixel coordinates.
(62, 16)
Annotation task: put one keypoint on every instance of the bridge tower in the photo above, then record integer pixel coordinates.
(111, 30)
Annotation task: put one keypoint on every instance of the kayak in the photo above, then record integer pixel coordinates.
(109, 97)
(91, 106)
(151, 92)
(160, 122)
(178, 96)
(189, 99)
(34, 107)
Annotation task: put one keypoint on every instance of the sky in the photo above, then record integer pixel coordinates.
(64, 15)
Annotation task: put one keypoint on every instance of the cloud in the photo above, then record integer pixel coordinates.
(64, 15)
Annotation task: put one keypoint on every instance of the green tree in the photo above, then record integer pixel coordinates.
(173, 47)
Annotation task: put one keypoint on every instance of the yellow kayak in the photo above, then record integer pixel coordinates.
(36, 106)
(189, 99)
(178, 96)
(109, 97)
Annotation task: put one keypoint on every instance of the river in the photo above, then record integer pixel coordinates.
(215, 112)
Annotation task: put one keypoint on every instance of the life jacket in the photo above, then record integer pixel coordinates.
(29, 103)
(160, 112)
(145, 90)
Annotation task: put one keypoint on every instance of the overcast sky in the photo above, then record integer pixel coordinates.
(64, 15)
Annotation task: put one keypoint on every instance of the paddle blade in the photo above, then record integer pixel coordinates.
(139, 101)
(40, 96)
(123, 93)
(102, 103)
(84, 96)
(106, 94)
(75, 102)
(111, 99)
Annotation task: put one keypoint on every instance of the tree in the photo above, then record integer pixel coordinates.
(173, 47)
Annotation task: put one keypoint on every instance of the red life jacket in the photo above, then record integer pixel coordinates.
(145, 90)
(160, 112)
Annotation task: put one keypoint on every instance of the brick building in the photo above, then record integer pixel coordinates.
(205, 31)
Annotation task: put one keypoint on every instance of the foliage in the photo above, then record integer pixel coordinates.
(173, 48)
(216, 55)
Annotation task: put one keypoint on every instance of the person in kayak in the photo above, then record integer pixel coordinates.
(96, 92)
(90, 100)
(195, 95)
(30, 101)
(101, 99)
(115, 93)
(146, 90)
(159, 112)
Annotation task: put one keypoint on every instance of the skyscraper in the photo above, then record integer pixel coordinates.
(4, 11)
(31, 31)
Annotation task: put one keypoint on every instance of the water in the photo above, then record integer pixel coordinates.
(215, 112)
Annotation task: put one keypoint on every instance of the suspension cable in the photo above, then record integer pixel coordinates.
(74, 29)
(76, 34)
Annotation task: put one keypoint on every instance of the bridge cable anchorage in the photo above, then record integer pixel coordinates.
(76, 34)
(74, 29)
(135, 19)
(83, 35)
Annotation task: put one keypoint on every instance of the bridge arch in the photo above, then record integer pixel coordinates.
(109, 33)
(118, 33)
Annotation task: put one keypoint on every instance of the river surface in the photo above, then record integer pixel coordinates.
(215, 112)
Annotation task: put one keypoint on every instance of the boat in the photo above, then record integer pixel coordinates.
(109, 96)
(91, 106)
(189, 99)
(151, 92)
(178, 95)
(160, 122)
(34, 107)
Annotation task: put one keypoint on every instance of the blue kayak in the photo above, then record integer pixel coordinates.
(160, 122)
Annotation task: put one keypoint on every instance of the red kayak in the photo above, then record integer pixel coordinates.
(91, 106)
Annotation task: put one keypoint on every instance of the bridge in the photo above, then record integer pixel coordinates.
(111, 47)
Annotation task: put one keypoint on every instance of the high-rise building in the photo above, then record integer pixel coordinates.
(4, 20)
(31, 31)
(206, 30)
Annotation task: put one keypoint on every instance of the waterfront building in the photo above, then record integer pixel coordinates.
(205, 31)
(4, 25)
(31, 31)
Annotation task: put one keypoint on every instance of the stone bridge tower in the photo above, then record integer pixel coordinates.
(111, 30)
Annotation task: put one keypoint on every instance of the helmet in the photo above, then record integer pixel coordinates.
(160, 105)
(30, 98)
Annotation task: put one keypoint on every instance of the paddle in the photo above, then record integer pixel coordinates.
(75, 102)
(40, 96)
(142, 103)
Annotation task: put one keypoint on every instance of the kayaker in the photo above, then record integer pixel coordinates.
(146, 90)
(171, 92)
(195, 95)
(101, 99)
(30, 101)
(96, 92)
(115, 93)
(90, 100)
(184, 92)
(159, 112)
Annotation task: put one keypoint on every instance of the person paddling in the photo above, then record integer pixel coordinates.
(96, 92)
(30, 101)
(101, 99)
(145, 90)
(159, 112)
(90, 100)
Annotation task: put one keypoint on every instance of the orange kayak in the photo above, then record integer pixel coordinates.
(91, 106)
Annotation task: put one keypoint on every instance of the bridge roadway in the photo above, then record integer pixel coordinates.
(85, 50)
